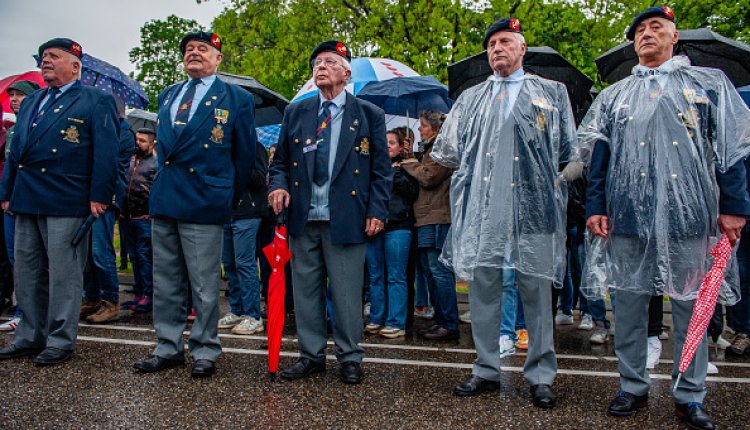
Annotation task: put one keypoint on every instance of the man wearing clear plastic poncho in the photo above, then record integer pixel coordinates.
(506, 138)
(666, 178)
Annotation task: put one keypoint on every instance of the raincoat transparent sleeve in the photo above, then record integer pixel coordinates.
(594, 127)
(446, 150)
(569, 145)
(730, 122)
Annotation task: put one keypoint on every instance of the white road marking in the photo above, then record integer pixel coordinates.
(418, 363)
(402, 347)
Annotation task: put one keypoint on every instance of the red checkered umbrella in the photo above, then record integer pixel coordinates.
(277, 254)
(705, 305)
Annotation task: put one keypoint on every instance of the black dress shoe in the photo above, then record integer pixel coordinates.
(302, 368)
(154, 363)
(203, 368)
(351, 372)
(694, 415)
(626, 404)
(442, 333)
(475, 386)
(423, 331)
(52, 356)
(13, 351)
(542, 396)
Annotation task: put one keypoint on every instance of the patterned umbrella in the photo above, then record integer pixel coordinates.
(364, 71)
(111, 80)
(278, 255)
(268, 135)
(705, 305)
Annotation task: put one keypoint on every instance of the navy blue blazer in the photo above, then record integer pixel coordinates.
(126, 149)
(361, 177)
(204, 166)
(68, 159)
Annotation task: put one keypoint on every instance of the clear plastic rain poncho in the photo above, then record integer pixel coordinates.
(667, 136)
(508, 201)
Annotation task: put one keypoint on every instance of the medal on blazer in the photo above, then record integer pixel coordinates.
(541, 121)
(364, 146)
(690, 117)
(217, 134)
(221, 115)
(71, 134)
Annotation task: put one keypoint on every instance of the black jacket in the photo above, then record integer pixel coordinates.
(254, 199)
(400, 207)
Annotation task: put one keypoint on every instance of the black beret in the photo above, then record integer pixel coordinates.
(331, 46)
(146, 130)
(26, 87)
(203, 36)
(64, 44)
(665, 12)
(506, 24)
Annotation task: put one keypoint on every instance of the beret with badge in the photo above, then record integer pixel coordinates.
(212, 39)
(62, 43)
(506, 24)
(331, 46)
(664, 12)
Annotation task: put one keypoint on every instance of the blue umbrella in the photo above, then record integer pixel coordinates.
(108, 78)
(745, 94)
(408, 96)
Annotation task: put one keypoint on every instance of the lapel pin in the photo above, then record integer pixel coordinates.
(356, 122)
(213, 97)
(208, 103)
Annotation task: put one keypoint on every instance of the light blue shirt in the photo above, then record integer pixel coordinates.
(200, 92)
(513, 83)
(62, 89)
(319, 209)
(661, 73)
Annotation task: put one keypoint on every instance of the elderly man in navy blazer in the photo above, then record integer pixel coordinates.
(332, 170)
(61, 168)
(206, 151)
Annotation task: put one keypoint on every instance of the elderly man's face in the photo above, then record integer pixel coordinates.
(330, 71)
(201, 59)
(15, 97)
(505, 52)
(59, 67)
(654, 41)
(145, 142)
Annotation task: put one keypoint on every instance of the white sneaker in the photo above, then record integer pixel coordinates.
(562, 319)
(367, 309)
(664, 335)
(465, 317)
(392, 332)
(507, 346)
(600, 334)
(10, 325)
(712, 369)
(229, 320)
(372, 328)
(654, 352)
(586, 323)
(249, 325)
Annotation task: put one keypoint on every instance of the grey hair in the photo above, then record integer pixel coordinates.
(519, 37)
(345, 64)
(75, 60)
(433, 117)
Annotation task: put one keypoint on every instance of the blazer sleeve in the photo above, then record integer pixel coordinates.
(243, 148)
(381, 173)
(106, 147)
(278, 173)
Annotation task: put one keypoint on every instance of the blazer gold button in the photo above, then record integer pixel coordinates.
(295, 164)
(296, 184)
(296, 141)
(356, 171)
(354, 193)
(20, 166)
(62, 132)
(191, 170)
(166, 162)
(44, 170)
(205, 146)
(356, 148)
(54, 150)
(308, 141)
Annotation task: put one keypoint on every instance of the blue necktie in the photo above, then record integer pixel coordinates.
(53, 92)
(183, 111)
(324, 145)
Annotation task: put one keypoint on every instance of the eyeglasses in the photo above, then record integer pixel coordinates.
(327, 61)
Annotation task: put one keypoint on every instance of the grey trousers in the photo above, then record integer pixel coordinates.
(186, 256)
(631, 347)
(49, 281)
(486, 302)
(313, 258)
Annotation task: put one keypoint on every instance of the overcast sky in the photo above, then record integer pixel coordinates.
(107, 29)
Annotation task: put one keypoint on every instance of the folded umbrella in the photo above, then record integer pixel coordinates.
(278, 255)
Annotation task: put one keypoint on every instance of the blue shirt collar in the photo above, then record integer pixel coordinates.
(337, 101)
(515, 76)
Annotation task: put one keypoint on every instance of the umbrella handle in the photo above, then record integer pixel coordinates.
(676, 382)
(282, 217)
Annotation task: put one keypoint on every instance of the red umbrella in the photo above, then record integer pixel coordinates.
(277, 254)
(705, 305)
(33, 76)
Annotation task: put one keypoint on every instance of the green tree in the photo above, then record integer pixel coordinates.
(158, 60)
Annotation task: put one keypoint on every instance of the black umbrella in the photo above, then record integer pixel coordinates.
(138, 119)
(539, 60)
(269, 105)
(702, 46)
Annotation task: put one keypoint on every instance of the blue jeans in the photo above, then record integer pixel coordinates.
(240, 266)
(442, 282)
(136, 235)
(422, 294)
(738, 316)
(9, 228)
(101, 282)
(387, 256)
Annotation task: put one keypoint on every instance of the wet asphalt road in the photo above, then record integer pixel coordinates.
(407, 384)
